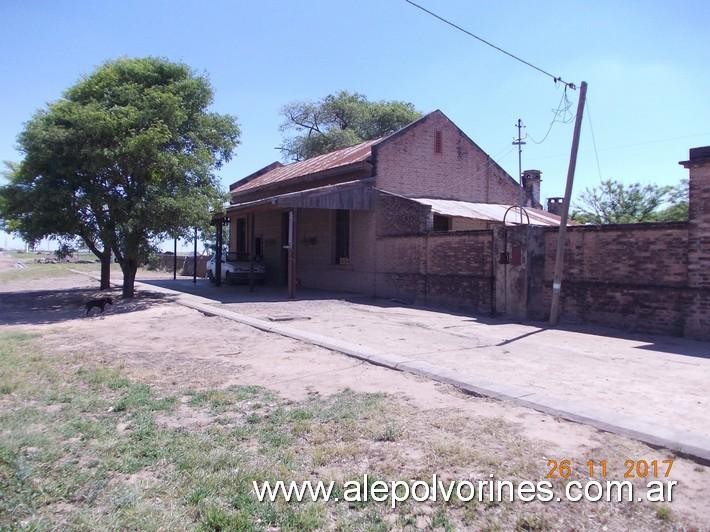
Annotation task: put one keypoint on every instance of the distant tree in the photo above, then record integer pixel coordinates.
(338, 121)
(678, 204)
(612, 202)
(35, 208)
(125, 158)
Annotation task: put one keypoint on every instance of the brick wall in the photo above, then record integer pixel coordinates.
(633, 276)
(267, 226)
(315, 249)
(408, 164)
(316, 266)
(442, 269)
(459, 223)
(698, 322)
(400, 216)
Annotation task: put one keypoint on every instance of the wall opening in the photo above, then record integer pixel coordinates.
(342, 236)
(441, 223)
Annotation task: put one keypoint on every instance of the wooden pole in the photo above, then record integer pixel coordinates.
(218, 252)
(194, 261)
(175, 259)
(562, 233)
(291, 255)
(251, 252)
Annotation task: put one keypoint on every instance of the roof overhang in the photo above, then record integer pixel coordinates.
(360, 169)
(352, 195)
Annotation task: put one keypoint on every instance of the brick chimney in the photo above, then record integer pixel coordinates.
(554, 205)
(531, 184)
(697, 323)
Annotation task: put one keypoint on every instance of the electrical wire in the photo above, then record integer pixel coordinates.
(562, 108)
(503, 153)
(594, 140)
(554, 78)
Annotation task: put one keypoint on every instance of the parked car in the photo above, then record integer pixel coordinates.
(235, 268)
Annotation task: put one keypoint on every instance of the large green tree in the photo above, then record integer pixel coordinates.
(338, 121)
(131, 152)
(613, 202)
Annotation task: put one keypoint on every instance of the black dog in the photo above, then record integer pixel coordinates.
(99, 302)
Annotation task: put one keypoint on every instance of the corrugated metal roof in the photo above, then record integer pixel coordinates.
(335, 159)
(488, 211)
(299, 199)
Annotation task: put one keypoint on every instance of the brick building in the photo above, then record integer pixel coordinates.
(344, 212)
(424, 216)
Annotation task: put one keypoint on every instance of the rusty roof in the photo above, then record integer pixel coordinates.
(493, 212)
(283, 173)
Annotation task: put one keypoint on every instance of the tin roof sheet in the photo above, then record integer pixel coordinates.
(487, 211)
(329, 161)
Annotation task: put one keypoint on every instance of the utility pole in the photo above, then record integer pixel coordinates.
(519, 143)
(562, 233)
(194, 261)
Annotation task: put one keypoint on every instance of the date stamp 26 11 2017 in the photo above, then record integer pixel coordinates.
(640, 468)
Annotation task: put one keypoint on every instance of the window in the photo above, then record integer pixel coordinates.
(437, 142)
(442, 223)
(342, 236)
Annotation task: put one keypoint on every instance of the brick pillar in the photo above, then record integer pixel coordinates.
(697, 323)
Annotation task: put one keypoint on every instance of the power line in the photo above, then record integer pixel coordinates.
(594, 140)
(554, 78)
(666, 141)
(503, 153)
(562, 108)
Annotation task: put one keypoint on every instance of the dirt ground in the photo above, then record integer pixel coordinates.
(632, 375)
(175, 348)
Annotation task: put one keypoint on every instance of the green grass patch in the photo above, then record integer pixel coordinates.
(221, 400)
(88, 441)
(137, 397)
(82, 446)
(32, 270)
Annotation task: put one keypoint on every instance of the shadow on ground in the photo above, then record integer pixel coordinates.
(30, 307)
(240, 293)
(231, 294)
(673, 345)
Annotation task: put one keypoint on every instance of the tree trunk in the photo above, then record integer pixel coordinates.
(129, 268)
(106, 268)
(105, 257)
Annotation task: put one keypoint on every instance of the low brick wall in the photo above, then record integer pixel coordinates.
(442, 269)
(184, 264)
(633, 277)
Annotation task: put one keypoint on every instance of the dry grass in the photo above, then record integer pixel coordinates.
(84, 447)
(33, 270)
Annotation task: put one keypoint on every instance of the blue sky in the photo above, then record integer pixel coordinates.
(646, 64)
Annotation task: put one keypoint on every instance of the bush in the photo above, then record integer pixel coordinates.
(153, 263)
(64, 251)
